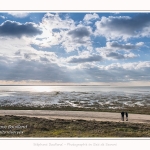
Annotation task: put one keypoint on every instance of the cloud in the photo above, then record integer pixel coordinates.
(79, 32)
(123, 27)
(23, 69)
(69, 53)
(93, 16)
(70, 44)
(44, 59)
(83, 59)
(131, 55)
(54, 21)
(115, 46)
(137, 65)
(137, 71)
(114, 50)
(112, 55)
(34, 55)
(115, 55)
(16, 29)
(90, 18)
(114, 72)
(19, 14)
(55, 30)
(3, 17)
(9, 45)
(65, 32)
(128, 46)
(79, 37)
(29, 55)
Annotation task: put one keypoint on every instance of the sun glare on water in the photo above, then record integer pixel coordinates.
(41, 89)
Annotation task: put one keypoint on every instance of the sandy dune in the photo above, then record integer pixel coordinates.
(98, 116)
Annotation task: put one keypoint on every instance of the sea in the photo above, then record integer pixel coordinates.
(74, 96)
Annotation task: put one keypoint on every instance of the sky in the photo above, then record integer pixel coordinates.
(104, 48)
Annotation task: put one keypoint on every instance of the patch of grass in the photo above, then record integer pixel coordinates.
(38, 127)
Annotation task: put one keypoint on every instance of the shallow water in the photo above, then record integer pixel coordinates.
(74, 96)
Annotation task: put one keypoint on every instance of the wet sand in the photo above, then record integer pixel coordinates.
(84, 115)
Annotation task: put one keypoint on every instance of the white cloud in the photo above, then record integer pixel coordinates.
(79, 32)
(22, 69)
(93, 16)
(135, 66)
(115, 46)
(20, 61)
(114, 50)
(140, 44)
(54, 30)
(3, 17)
(53, 21)
(34, 55)
(19, 14)
(130, 55)
(41, 67)
(128, 46)
(21, 49)
(88, 18)
(9, 46)
(108, 55)
(64, 32)
(84, 58)
(123, 27)
(17, 30)
(77, 38)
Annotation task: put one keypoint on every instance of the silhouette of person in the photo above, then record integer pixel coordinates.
(126, 116)
(122, 116)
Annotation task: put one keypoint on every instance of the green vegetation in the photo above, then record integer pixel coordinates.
(38, 127)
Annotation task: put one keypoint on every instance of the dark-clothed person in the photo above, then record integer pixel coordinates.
(122, 116)
(126, 116)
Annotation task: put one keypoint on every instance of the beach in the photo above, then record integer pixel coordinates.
(74, 111)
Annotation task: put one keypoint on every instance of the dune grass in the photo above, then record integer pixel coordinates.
(38, 127)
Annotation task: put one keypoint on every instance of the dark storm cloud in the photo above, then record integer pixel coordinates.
(79, 32)
(85, 59)
(16, 29)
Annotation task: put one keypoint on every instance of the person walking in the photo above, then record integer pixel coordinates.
(122, 116)
(126, 116)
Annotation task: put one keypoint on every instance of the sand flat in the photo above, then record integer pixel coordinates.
(85, 115)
